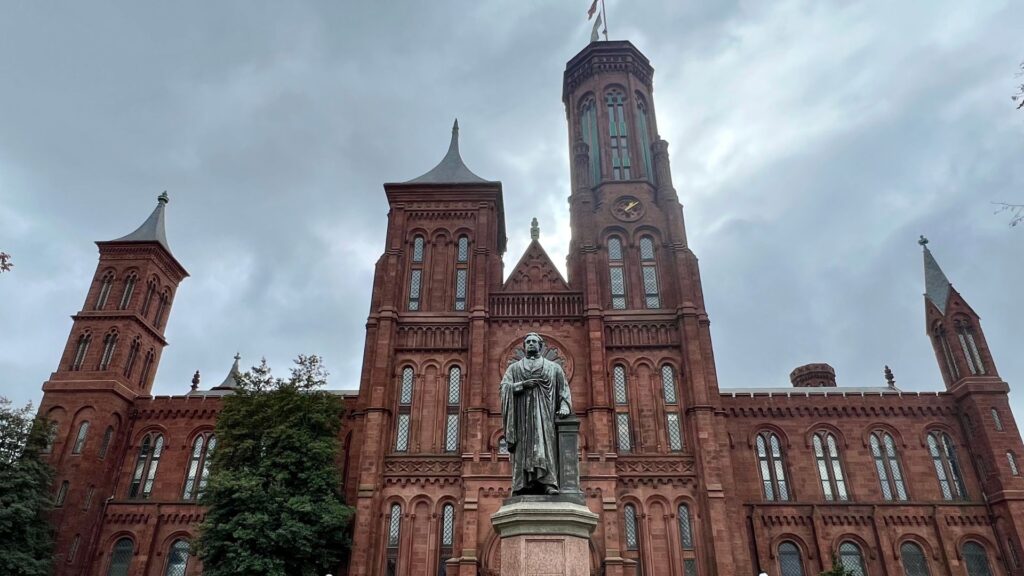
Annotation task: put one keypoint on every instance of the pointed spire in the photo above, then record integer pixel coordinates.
(451, 169)
(534, 229)
(152, 230)
(936, 285)
(231, 380)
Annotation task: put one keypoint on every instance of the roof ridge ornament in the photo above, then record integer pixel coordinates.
(534, 229)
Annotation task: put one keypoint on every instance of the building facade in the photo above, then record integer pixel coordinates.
(687, 478)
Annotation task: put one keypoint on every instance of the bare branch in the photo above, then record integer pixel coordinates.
(1016, 211)
(5, 262)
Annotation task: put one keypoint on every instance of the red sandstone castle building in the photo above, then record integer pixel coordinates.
(688, 479)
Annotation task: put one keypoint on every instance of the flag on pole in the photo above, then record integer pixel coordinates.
(593, 8)
(593, 33)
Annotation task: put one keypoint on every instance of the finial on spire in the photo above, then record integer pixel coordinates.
(455, 126)
(923, 241)
(195, 381)
(889, 378)
(238, 356)
(163, 198)
(534, 229)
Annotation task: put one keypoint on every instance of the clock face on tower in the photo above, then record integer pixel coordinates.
(627, 209)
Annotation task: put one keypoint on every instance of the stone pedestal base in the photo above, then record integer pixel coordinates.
(541, 538)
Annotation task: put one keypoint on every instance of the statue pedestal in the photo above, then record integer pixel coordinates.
(544, 536)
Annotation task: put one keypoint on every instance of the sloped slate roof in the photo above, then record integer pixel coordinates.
(451, 169)
(152, 230)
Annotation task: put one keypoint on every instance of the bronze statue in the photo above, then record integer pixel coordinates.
(533, 391)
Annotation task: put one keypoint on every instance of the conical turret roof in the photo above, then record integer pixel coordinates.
(451, 169)
(152, 230)
(936, 285)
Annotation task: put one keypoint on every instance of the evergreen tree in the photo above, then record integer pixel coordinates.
(274, 501)
(26, 542)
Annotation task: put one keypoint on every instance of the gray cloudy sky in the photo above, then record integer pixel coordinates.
(811, 143)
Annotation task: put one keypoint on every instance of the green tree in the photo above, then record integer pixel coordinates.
(837, 569)
(274, 501)
(26, 543)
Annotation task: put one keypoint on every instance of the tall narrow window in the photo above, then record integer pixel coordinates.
(940, 338)
(417, 249)
(675, 436)
(668, 383)
(976, 560)
(129, 288)
(447, 538)
(851, 559)
(83, 434)
(914, 562)
(791, 563)
(649, 269)
(62, 494)
(1011, 546)
(199, 466)
(416, 273)
(133, 355)
(965, 334)
(772, 466)
(463, 250)
(177, 559)
(146, 464)
(451, 436)
(621, 409)
(73, 549)
(80, 350)
(947, 467)
(161, 309)
(686, 540)
(147, 301)
(630, 528)
(147, 366)
(996, 420)
(394, 534)
(108, 282)
(830, 469)
(404, 411)
(588, 129)
(109, 344)
(618, 134)
(461, 273)
(617, 275)
(887, 464)
(1012, 461)
(121, 557)
(87, 502)
(643, 128)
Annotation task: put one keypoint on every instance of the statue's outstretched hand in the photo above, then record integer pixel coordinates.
(563, 411)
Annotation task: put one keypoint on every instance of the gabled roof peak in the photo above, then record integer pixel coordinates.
(152, 230)
(936, 285)
(451, 169)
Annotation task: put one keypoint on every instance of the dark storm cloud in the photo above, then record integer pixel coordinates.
(811, 144)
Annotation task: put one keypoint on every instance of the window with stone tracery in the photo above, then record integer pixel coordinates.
(887, 465)
(108, 282)
(772, 465)
(588, 131)
(830, 468)
(109, 345)
(618, 139)
(129, 289)
(644, 131)
(80, 350)
(947, 466)
(198, 471)
(83, 434)
(146, 464)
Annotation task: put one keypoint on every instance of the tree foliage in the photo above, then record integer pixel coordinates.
(26, 543)
(837, 569)
(274, 500)
(5, 262)
(1019, 96)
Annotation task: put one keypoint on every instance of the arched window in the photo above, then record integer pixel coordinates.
(199, 466)
(686, 540)
(147, 366)
(939, 334)
(121, 557)
(133, 354)
(148, 299)
(73, 549)
(851, 559)
(108, 434)
(83, 434)
(145, 466)
(101, 300)
(404, 411)
(772, 465)
(394, 534)
(617, 275)
(62, 494)
(668, 391)
(129, 288)
(447, 538)
(643, 128)
(416, 273)
(914, 562)
(502, 445)
(161, 309)
(630, 528)
(109, 344)
(588, 131)
(887, 464)
(618, 134)
(1012, 461)
(649, 269)
(976, 560)
(668, 383)
(790, 561)
(830, 469)
(451, 436)
(947, 466)
(997, 420)
(80, 350)
(622, 427)
(461, 273)
(87, 503)
(177, 559)
(965, 333)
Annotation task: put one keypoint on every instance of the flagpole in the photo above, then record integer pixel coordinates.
(604, 15)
